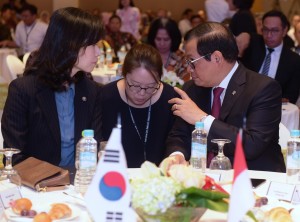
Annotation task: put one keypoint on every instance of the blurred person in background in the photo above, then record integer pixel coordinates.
(142, 101)
(284, 65)
(243, 20)
(117, 38)
(45, 16)
(295, 20)
(5, 26)
(130, 16)
(165, 36)
(184, 24)
(30, 32)
(196, 20)
(47, 109)
(217, 10)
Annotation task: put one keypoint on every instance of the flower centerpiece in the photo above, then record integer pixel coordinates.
(181, 194)
(171, 78)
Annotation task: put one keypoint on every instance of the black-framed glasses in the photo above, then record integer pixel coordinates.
(191, 62)
(266, 31)
(137, 88)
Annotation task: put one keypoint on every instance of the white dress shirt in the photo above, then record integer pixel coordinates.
(30, 38)
(224, 84)
(275, 56)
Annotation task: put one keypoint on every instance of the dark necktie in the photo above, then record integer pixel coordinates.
(267, 62)
(215, 111)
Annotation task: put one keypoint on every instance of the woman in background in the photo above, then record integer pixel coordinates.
(130, 17)
(47, 109)
(142, 100)
(165, 36)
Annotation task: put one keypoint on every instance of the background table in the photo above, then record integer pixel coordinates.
(105, 75)
(4, 72)
(290, 116)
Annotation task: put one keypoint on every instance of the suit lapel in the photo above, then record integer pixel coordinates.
(81, 104)
(234, 90)
(46, 100)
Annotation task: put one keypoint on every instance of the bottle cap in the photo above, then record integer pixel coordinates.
(88, 133)
(295, 133)
(199, 125)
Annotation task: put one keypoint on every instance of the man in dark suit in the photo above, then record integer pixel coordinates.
(284, 64)
(212, 54)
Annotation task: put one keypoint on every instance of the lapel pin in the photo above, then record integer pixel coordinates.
(234, 92)
(84, 99)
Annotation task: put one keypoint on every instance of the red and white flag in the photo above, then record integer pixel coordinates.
(241, 197)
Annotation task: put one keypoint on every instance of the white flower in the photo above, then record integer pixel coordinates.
(187, 176)
(153, 193)
(171, 78)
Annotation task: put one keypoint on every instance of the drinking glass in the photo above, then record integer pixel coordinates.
(220, 162)
(8, 173)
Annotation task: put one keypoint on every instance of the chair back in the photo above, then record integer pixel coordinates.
(25, 57)
(15, 65)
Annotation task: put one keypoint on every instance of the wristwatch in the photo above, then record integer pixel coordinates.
(202, 119)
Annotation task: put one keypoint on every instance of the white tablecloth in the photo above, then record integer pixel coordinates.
(79, 205)
(105, 75)
(4, 72)
(290, 116)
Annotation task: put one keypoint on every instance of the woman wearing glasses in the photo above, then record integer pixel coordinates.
(142, 100)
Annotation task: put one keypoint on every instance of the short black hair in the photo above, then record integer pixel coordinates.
(276, 13)
(213, 36)
(28, 7)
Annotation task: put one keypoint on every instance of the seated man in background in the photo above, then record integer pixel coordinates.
(30, 32)
(269, 55)
(212, 55)
(116, 38)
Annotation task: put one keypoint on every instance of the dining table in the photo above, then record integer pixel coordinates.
(290, 116)
(42, 200)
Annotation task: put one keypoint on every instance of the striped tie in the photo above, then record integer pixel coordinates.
(267, 62)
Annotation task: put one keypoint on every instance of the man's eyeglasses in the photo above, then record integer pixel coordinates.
(266, 31)
(137, 89)
(191, 62)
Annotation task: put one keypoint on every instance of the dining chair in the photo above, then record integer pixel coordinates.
(15, 66)
(25, 57)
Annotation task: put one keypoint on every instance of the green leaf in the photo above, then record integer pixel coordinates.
(212, 195)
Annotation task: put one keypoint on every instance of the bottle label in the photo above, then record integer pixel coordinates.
(198, 150)
(293, 160)
(87, 160)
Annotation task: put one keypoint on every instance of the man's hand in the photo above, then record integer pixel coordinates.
(186, 108)
(166, 164)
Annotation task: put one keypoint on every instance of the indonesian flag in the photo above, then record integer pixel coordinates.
(241, 197)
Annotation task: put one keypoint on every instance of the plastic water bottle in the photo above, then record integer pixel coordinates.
(109, 56)
(86, 161)
(199, 147)
(293, 158)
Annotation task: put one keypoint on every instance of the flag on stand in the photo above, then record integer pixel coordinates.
(241, 197)
(108, 196)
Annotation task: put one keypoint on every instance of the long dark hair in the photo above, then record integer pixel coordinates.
(172, 29)
(70, 29)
